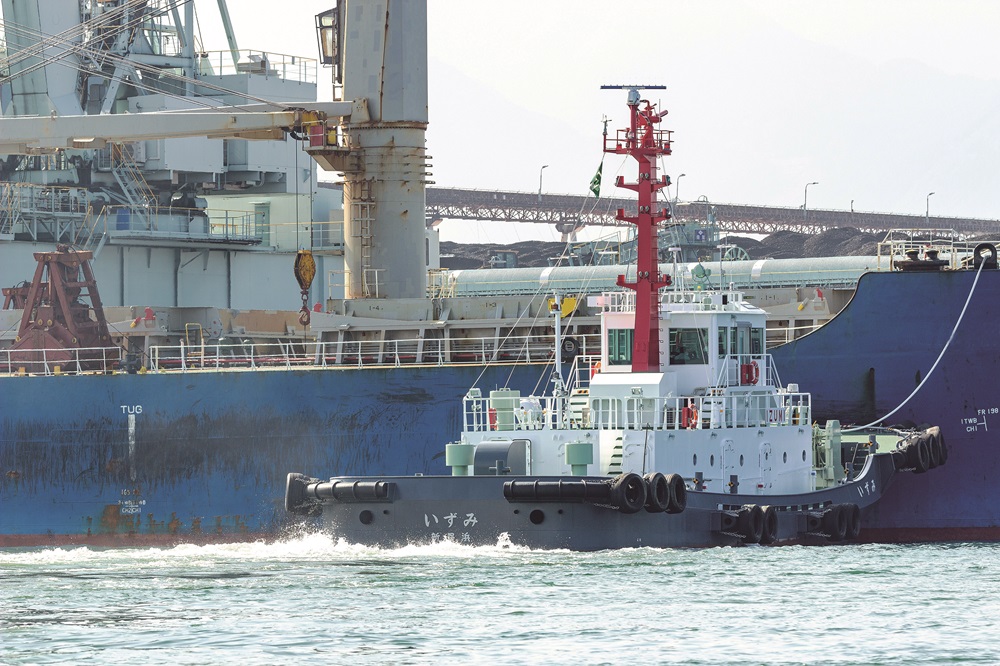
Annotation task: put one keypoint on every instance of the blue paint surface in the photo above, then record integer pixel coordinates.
(211, 450)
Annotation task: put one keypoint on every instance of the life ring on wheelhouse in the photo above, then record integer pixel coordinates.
(749, 373)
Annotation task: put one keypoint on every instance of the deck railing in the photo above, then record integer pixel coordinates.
(236, 355)
(637, 412)
(357, 353)
(60, 361)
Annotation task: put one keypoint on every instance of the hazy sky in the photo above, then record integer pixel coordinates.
(879, 101)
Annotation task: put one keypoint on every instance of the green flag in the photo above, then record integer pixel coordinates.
(595, 182)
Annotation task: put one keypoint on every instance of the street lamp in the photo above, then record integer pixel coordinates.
(805, 201)
(927, 211)
(723, 248)
(677, 190)
(544, 167)
(708, 207)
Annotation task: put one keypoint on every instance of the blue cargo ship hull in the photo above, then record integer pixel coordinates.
(864, 363)
(203, 456)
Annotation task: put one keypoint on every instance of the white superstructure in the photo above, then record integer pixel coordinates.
(715, 412)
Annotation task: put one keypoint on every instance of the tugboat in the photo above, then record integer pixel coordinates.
(679, 434)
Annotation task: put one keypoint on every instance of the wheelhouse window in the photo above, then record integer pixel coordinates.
(688, 346)
(620, 346)
(756, 341)
(723, 342)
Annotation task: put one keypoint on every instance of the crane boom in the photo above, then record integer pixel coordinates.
(40, 134)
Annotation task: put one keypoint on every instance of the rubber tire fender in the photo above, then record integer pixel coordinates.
(750, 523)
(933, 451)
(835, 522)
(678, 493)
(628, 492)
(657, 492)
(944, 447)
(919, 455)
(769, 532)
(853, 521)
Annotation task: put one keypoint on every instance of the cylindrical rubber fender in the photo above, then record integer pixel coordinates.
(628, 492)
(750, 523)
(814, 522)
(853, 521)
(657, 492)
(570, 348)
(835, 522)
(560, 490)
(678, 493)
(900, 459)
(727, 521)
(769, 528)
(346, 490)
(296, 499)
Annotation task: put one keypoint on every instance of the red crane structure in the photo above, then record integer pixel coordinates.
(644, 142)
(59, 326)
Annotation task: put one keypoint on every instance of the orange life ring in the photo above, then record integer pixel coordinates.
(689, 417)
(594, 369)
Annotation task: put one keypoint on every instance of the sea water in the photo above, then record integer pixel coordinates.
(316, 600)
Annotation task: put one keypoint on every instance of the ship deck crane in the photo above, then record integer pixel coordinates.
(377, 140)
(46, 134)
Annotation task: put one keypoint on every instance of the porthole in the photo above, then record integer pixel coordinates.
(711, 460)
(803, 455)
(537, 517)
(741, 461)
(366, 517)
(694, 459)
(784, 457)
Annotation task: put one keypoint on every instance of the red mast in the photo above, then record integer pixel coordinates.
(645, 143)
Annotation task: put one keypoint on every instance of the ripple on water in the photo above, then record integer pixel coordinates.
(316, 596)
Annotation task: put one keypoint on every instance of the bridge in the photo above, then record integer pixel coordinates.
(571, 212)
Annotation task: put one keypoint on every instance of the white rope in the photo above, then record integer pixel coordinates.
(940, 356)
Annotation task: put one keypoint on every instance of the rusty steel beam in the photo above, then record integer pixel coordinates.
(567, 212)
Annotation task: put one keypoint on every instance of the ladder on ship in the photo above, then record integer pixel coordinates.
(10, 212)
(136, 191)
(617, 457)
(579, 408)
(92, 233)
(194, 347)
(363, 217)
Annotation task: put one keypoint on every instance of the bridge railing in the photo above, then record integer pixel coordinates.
(503, 206)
